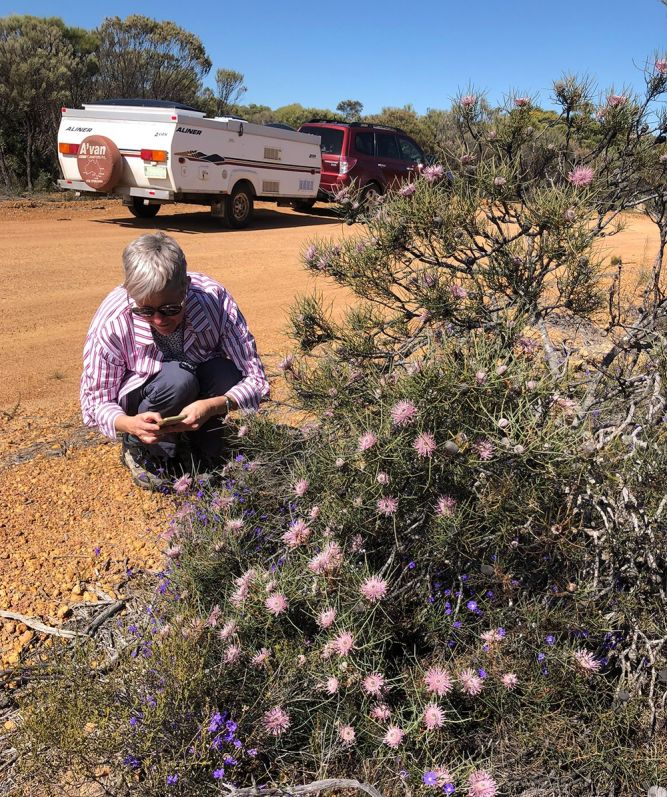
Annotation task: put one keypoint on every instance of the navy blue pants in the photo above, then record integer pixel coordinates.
(175, 386)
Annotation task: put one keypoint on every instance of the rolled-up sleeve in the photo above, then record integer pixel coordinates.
(103, 372)
(241, 348)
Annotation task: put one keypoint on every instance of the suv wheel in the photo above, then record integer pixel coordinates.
(371, 193)
(303, 205)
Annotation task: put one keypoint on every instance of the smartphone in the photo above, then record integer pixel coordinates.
(171, 420)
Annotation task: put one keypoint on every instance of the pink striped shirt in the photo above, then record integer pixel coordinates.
(120, 355)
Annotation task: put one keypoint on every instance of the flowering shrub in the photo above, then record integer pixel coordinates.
(452, 577)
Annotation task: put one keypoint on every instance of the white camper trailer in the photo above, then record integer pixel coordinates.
(151, 152)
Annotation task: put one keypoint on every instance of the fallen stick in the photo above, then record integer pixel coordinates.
(37, 626)
(306, 788)
(102, 617)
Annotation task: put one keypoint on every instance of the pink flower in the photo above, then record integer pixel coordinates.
(310, 253)
(328, 560)
(339, 462)
(470, 682)
(243, 431)
(509, 680)
(521, 102)
(458, 292)
(276, 603)
(331, 685)
(394, 736)
(581, 176)
(446, 506)
(373, 589)
(424, 445)
(314, 512)
(234, 525)
(276, 721)
(484, 449)
(480, 377)
(343, 643)
(383, 478)
(298, 534)
(346, 734)
(661, 66)
(287, 363)
(616, 100)
(481, 784)
(434, 717)
(366, 441)
(493, 636)
(587, 661)
(227, 629)
(387, 506)
(373, 683)
(173, 552)
(467, 101)
(326, 618)
(261, 657)
(381, 712)
(183, 484)
(407, 190)
(403, 413)
(438, 681)
(232, 654)
(433, 173)
(214, 616)
(300, 488)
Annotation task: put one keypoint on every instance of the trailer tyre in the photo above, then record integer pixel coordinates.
(239, 206)
(100, 163)
(141, 211)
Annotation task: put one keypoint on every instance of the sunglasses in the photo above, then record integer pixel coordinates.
(164, 309)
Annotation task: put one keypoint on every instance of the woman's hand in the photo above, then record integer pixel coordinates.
(196, 415)
(143, 426)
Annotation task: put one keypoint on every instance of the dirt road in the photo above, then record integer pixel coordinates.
(70, 520)
(58, 260)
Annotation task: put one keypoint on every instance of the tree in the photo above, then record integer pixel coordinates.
(142, 58)
(229, 89)
(295, 114)
(43, 66)
(351, 110)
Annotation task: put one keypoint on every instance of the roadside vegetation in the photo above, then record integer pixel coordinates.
(451, 577)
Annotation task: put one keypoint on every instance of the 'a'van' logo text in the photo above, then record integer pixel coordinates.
(93, 149)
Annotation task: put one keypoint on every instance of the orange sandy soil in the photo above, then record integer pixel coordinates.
(62, 491)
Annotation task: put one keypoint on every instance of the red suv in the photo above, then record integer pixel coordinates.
(373, 156)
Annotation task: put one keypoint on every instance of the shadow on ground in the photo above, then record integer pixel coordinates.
(203, 222)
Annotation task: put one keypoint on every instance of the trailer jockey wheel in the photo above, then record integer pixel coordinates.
(99, 162)
(239, 206)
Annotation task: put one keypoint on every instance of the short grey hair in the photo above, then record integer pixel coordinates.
(153, 263)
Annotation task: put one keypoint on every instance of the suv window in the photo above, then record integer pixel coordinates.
(409, 150)
(363, 143)
(331, 139)
(386, 145)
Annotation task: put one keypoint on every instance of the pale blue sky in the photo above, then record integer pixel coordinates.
(401, 51)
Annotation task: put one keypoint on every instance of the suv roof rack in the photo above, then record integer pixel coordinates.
(353, 124)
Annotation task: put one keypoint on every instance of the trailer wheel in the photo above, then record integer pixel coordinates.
(141, 211)
(239, 206)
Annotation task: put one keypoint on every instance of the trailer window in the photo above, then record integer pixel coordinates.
(331, 139)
